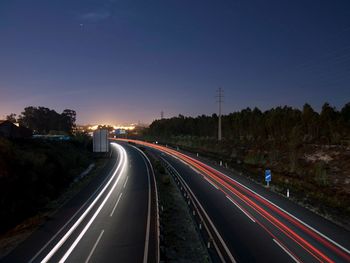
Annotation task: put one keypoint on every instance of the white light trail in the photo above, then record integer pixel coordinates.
(122, 163)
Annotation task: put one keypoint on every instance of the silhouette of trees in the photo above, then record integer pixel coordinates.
(283, 124)
(68, 118)
(306, 149)
(43, 120)
(345, 114)
(11, 117)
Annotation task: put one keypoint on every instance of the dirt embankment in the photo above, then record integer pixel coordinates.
(317, 175)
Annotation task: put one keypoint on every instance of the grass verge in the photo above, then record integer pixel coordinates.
(180, 240)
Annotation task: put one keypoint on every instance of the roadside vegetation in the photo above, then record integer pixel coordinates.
(308, 152)
(35, 172)
(43, 120)
(180, 240)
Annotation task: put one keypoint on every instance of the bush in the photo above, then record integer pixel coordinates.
(321, 177)
(33, 172)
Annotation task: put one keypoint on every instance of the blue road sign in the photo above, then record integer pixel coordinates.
(268, 175)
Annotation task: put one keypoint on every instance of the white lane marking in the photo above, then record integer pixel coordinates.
(207, 216)
(81, 207)
(156, 194)
(94, 247)
(145, 253)
(193, 168)
(126, 180)
(232, 201)
(81, 218)
(210, 182)
(291, 215)
(285, 250)
(116, 203)
(66, 255)
(294, 217)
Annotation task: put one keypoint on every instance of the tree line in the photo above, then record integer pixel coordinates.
(281, 139)
(330, 126)
(43, 120)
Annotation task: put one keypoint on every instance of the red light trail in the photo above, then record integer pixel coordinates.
(229, 186)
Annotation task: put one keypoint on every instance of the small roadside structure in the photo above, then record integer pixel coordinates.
(100, 141)
(12, 131)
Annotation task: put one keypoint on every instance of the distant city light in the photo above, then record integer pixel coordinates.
(95, 127)
(129, 128)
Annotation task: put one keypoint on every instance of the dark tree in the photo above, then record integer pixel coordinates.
(11, 117)
(310, 122)
(345, 113)
(280, 124)
(68, 118)
(44, 120)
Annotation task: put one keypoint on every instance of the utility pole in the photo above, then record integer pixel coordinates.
(162, 115)
(219, 96)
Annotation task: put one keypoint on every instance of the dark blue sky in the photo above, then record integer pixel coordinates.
(122, 61)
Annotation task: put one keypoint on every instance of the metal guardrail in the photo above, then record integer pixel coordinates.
(215, 245)
(157, 211)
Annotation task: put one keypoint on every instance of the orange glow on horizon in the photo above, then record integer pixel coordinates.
(129, 128)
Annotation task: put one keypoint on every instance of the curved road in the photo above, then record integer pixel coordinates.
(111, 220)
(255, 224)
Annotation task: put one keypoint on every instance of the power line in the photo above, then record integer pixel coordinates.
(220, 97)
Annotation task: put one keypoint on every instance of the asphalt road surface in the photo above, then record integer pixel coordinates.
(257, 225)
(111, 220)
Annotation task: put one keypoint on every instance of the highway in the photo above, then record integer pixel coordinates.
(114, 219)
(254, 224)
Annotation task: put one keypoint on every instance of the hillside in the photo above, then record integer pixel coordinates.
(308, 152)
(34, 172)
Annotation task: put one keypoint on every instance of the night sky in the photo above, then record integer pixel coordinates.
(125, 61)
